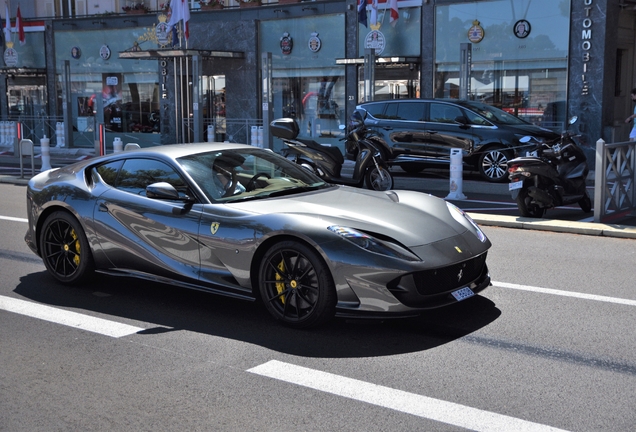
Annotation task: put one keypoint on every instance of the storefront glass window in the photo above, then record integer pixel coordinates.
(519, 55)
(306, 83)
(121, 94)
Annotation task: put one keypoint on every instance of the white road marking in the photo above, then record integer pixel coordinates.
(67, 318)
(14, 219)
(410, 403)
(566, 293)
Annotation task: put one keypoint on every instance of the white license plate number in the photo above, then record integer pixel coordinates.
(515, 185)
(463, 294)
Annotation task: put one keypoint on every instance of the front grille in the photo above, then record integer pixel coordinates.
(447, 278)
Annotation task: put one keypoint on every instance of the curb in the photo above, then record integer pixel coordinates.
(555, 225)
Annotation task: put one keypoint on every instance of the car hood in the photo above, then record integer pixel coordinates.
(412, 218)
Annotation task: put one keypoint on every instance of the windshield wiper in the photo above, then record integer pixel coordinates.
(295, 190)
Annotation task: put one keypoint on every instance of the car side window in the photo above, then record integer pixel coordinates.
(108, 172)
(443, 113)
(376, 110)
(476, 119)
(413, 111)
(136, 174)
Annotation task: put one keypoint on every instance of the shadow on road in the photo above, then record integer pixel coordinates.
(175, 309)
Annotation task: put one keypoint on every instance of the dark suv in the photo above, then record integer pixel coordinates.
(420, 133)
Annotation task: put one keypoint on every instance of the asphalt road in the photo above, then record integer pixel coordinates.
(549, 345)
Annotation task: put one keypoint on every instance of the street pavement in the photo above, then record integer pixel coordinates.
(487, 203)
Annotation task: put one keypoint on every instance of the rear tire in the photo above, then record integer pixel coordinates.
(412, 168)
(586, 203)
(526, 207)
(65, 250)
(379, 178)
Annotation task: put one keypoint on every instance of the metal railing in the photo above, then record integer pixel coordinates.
(614, 189)
(37, 127)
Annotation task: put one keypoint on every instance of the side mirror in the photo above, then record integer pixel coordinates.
(164, 190)
(461, 120)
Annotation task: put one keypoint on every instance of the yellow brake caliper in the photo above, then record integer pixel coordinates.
(76, 258)
(280, 286)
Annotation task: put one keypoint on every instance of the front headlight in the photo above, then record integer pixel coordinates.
(460, 216)
(372, 244)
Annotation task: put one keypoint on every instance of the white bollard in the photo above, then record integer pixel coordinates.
(211, 137)
(254, 136)
(456, 172)
(46, 153)
(118, 145)
(260, 136)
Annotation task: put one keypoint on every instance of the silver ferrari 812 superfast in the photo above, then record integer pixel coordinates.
(245, 222)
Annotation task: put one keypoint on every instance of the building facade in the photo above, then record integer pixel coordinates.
(103, 75)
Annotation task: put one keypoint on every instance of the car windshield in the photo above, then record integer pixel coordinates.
(249, 173)
(493, 114)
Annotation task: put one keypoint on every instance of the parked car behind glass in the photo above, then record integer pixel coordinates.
(420, 133)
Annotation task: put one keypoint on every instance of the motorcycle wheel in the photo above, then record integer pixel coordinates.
(526, 207)
(379, 179)
(586, 203)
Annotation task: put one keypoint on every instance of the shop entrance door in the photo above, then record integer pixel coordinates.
(394, 81)
(26, 96)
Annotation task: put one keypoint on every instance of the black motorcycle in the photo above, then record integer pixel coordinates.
(553, 175)
(327, 162)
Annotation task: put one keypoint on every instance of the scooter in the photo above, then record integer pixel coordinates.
(552, 175)
(327, 162)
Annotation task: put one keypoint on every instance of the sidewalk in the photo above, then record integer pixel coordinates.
(10, 173)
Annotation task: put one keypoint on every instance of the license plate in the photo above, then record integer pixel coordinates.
(515, 185)
(463, 294)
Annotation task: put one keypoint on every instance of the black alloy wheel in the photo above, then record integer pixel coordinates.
(493, 165)
(526, 207)
(64, 249)
(296, 286)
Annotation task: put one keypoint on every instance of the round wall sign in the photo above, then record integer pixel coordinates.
(104, 52)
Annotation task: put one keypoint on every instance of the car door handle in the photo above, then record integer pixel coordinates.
(431, 131)
(387, 128)
(102, 207)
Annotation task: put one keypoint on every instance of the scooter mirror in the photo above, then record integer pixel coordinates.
(525, 139)
(573, 120)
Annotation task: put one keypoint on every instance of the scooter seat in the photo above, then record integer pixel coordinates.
(334, 152)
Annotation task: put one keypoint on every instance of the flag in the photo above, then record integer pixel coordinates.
(180, 12)
(7, 25)
(362, 12)
(20, 25)
(394, 13)
(374, 14)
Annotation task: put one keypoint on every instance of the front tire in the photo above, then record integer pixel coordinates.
(526, 207)
(379, 178)
(296, 285)
(493, 165)
(65, 250)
